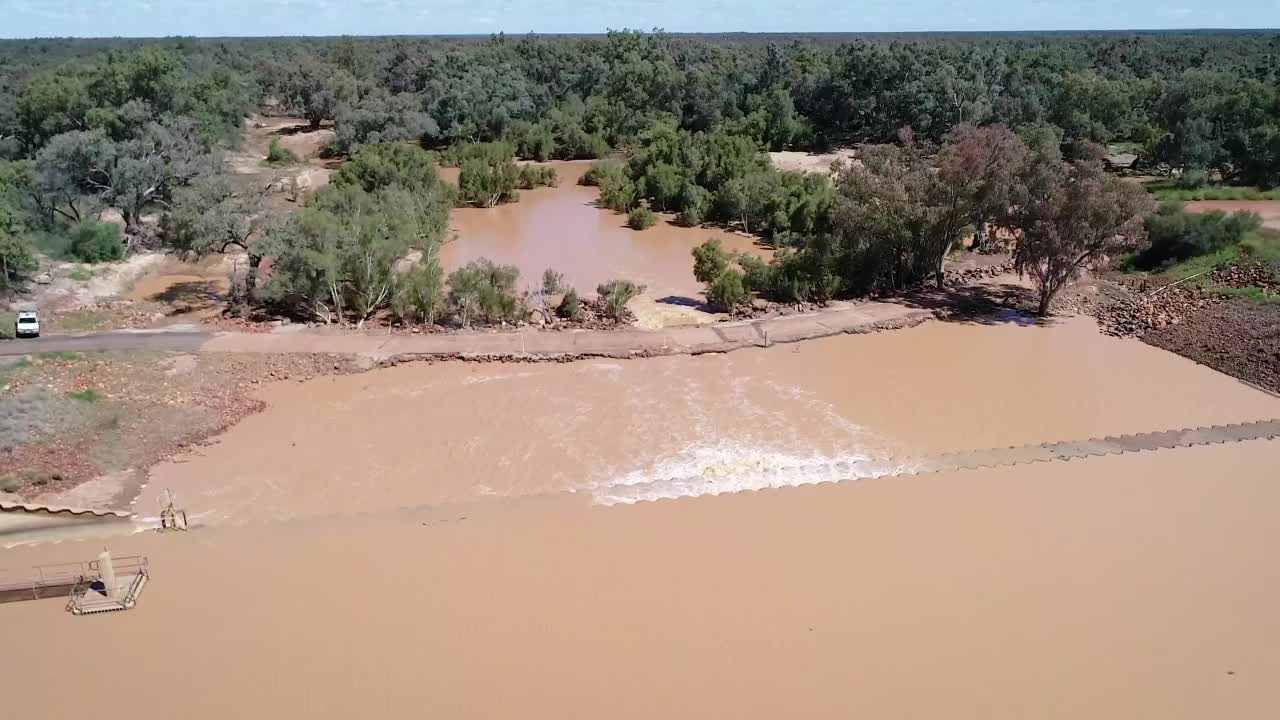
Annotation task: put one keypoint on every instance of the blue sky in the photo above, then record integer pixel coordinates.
(97, 18)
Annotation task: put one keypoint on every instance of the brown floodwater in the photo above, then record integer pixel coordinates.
(622, 431)
(1268, 209)
(564, 229)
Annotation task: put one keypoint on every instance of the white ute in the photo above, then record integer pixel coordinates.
(27, 325)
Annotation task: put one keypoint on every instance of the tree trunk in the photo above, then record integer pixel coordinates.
(982, 237)
(1045, 298)
(251, 278)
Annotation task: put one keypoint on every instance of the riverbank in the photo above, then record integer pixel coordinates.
(1131, 586)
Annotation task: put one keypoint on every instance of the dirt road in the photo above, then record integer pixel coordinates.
(118, 340)
(840, 318)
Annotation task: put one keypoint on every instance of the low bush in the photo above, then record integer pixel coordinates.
(1173, 234)
(419, 294)
(569, 306)
(532, 176)
(641, 218)
(278, 154)
(482, 290)
(600, 169)
(552, 282)
(616, 294)
(94, 242)
(728, 290)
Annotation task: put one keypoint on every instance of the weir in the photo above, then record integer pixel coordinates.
(667, 488)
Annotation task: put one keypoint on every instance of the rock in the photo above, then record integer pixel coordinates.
(44, 278)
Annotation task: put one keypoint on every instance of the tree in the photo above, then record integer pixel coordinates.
(213, 216)
(16, 257)
(979, 166)
(316, 91)
(127, 175)
(339, 257)
(1074, 220)
(380, 118)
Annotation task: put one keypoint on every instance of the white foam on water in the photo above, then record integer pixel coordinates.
(730, 467)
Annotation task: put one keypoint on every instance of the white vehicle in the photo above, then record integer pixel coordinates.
(27, 324)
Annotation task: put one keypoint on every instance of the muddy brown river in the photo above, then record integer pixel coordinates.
(564, 229)
(624, 431)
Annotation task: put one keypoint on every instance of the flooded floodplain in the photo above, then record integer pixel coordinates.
(563, 228)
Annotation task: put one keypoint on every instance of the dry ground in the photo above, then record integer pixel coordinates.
(67, 418)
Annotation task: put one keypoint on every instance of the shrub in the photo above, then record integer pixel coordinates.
(93, 242)
(1174, 234)
(728, 290)
(278, 154)
(709, 260)
(569, 305)
(532, 176)
(696, 203)
(618, 192)
(490, 152)
(488, 183)
(420, 294)
(600, 169)
(616, 294)
(757, 274)
(1192, 179)
(481, 290)
(641, 218)
(552, 282)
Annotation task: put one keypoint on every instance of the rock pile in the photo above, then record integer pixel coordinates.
(968, 275)
(1135, 314)
(1257, 274)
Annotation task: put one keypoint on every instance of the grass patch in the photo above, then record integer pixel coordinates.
(59, 355)
(1253, 294)
(7, 370)
(1167, 189)
(81, 275)
(1202, 264)
(83, 320)
(56, 245)
(84, 396)
(1262, 245)
(35, 478)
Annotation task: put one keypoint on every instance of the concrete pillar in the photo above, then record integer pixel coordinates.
(108, 573)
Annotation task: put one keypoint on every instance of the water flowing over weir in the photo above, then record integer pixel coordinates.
(762, 474)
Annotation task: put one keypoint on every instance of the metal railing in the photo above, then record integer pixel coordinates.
(54, 579)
